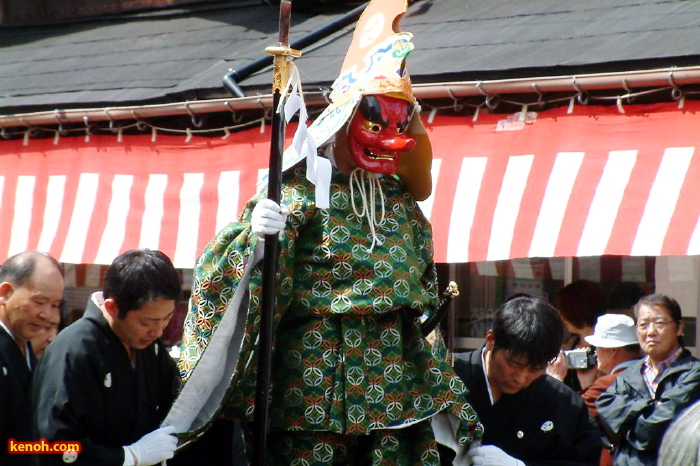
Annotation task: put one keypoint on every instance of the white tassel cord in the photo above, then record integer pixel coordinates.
(368, 185)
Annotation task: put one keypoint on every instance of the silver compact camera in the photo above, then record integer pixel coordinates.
(580, 358)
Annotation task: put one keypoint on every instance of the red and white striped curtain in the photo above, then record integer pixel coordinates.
(549, 184)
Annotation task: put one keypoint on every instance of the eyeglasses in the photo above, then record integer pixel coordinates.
(658, 324)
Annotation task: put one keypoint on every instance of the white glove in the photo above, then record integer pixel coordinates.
(491, 455)
(269, 218)
(152, 448)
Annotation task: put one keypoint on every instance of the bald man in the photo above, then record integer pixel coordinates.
(31, 291)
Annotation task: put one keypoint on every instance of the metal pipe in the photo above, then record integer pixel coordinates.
(603, 81)
(233, 77)
(672, 77)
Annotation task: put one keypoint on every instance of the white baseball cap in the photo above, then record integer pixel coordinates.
(613, 331)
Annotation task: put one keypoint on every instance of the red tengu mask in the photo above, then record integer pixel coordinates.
(377, 133)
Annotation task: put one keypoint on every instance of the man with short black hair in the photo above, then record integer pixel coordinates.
(107, 381)
(529, 417)
(31, 288)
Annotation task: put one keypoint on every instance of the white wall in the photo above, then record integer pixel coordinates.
(679, 277)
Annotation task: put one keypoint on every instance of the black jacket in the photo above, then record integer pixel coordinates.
(86, 390)
(638, 421)
(15, 404)
(545, 423)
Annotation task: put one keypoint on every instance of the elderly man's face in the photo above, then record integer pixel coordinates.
(658, 333)
(28, 308)
(605, 358)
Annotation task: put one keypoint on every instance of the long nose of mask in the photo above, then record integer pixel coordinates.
(398, 144)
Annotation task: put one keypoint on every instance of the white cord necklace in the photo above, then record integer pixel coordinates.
(368, 185)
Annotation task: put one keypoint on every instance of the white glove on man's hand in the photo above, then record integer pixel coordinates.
(491, 455)
(152, 448)
(268, 218)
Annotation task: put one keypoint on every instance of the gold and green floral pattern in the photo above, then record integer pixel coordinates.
(349, 355)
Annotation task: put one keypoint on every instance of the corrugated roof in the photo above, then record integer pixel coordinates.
(183, 54)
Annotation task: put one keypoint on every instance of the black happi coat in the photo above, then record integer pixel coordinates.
(15, 404)
(545, 423)
(86, 390)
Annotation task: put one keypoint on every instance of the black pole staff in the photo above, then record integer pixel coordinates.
(281, 64)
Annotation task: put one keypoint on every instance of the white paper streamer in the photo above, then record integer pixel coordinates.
(318, 169)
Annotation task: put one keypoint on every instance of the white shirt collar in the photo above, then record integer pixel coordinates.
(486, 377)
(27, 347)
(7, 329)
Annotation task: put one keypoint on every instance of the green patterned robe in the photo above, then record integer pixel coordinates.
(349, 355)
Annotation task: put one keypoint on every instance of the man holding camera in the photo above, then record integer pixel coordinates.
(528, 417)
(617, 347)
